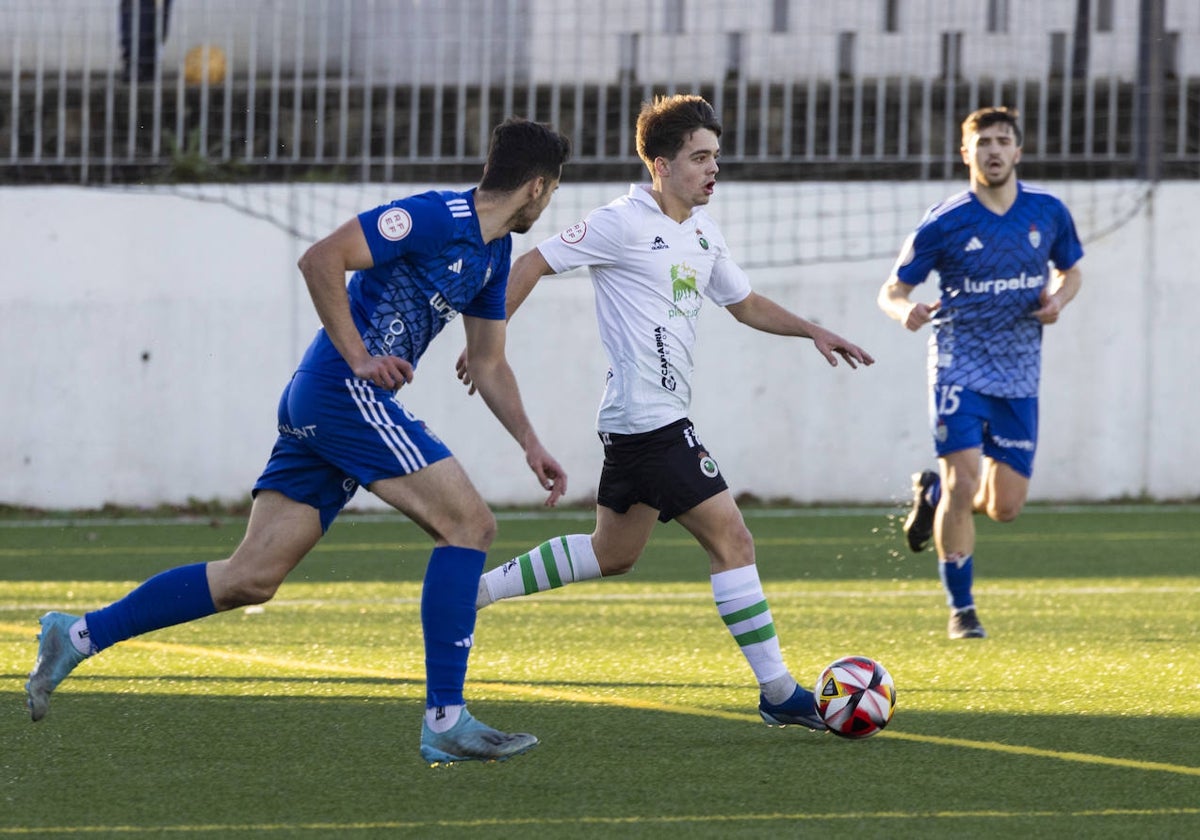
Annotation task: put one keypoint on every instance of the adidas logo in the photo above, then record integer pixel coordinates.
(974, 244)
(465, 643)
(457, 265)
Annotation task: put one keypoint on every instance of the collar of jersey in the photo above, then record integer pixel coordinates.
(641, 193)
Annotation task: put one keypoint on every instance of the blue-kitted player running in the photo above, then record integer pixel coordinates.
(417, 262)
(1008, 260)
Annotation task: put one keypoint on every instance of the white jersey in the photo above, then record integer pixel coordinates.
(650, 275)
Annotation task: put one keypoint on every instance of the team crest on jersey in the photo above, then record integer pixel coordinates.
(1035, 236)
(700, 238)
(707, 465)
(395, 224)
(684, 292)
(574, 234)
(683, 282)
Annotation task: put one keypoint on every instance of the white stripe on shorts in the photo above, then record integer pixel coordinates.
(394, 437)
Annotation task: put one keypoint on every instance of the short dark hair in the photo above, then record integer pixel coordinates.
(665, 124)
(982, 118)
(521, 150)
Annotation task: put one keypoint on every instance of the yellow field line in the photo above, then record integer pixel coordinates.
(561, 695)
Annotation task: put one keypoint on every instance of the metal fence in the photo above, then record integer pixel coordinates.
(119, 91)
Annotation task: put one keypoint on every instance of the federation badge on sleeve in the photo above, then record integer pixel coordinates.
(575, 233)
(395, 224)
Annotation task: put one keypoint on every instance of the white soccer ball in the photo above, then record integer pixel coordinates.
(855, 697)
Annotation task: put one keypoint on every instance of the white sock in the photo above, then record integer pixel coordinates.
(779, 690)
(552, 564)
(743, 607)
(441, 718)
(80, 637)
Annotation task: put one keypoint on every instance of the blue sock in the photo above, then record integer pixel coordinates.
(172, 597)
(448, 621)
(957, 576)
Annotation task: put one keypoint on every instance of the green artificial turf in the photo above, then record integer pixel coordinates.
(1079, 716)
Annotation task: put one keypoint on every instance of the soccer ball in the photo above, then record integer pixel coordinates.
(855, 697)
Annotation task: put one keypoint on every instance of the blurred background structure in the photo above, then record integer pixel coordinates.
(359, 91)
(163, 163)
(366, 90)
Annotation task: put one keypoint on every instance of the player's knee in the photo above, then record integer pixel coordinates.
(961, 490)
(475, 530)
(486, 527)
(245, 591)
(743, 543)
(735, 551)
(259, 592)
(1004, 511)
(612, 566)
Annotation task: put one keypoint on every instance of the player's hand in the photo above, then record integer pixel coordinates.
(389, 372)
(831, 346)
(464, 373)
(920, 314)
(550, 473)
(1050, 308)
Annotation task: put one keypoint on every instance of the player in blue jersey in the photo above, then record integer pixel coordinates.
(417, 262)
(1008, 260)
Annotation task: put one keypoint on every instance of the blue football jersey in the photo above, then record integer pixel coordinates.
(431, 264)
(992, 270)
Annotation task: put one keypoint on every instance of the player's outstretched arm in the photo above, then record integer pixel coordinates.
(497, 384)
(766, 315)
(526, 271)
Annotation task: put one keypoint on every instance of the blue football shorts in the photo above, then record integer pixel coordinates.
(336, 434)
(668, 469)
(1006, 429)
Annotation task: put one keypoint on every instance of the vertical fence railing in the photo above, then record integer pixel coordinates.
(346, 86)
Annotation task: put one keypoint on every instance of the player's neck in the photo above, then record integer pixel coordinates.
(996, 198)
(497, 213)
(678, 211)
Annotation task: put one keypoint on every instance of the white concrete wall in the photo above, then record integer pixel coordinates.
(146, 338)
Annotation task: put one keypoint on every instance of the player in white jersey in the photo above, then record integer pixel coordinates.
(654, 255)
(1007, 258)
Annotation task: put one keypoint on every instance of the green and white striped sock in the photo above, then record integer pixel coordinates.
(744, 609)
(552, 564)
